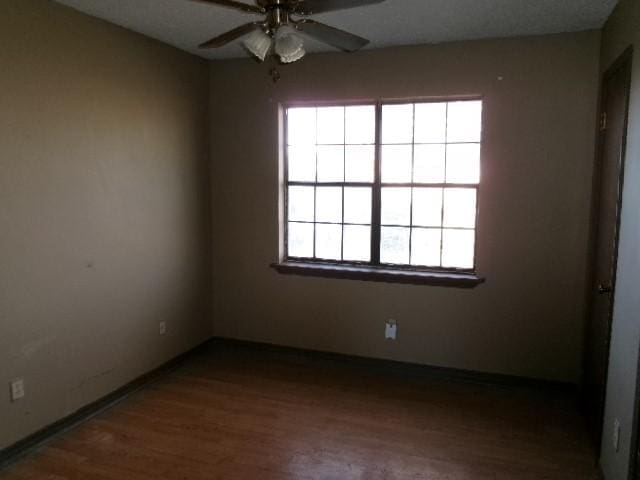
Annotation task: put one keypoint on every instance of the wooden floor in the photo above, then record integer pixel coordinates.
(237, 412)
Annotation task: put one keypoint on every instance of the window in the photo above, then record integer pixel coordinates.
(388, 185)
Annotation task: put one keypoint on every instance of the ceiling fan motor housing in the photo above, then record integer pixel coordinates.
(278, 15)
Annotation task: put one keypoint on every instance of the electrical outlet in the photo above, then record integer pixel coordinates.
(391, 329)
(17, 389)
(162, 328)
(616, 434)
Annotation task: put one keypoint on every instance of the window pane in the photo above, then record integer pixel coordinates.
(396, 163)
(428, 164)
(301, 126)
(458, 248)
(359, 163)
(330, 163)
(463, 163)
(329, 204)
(361, 124)
(300, 241)
(300, 203)
(464, 121)
(396, 206)
(394, 245)
(328, 241)
(397, 123)
(357, 205)
(357, 243)
(431, 122)
(331, 125)
(426, 143)
(302, 163)
(425, 247)
(460, 207)
(427, 207)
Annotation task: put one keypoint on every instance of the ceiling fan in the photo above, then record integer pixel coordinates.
(280, 27)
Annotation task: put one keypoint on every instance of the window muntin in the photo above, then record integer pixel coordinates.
(386, 184)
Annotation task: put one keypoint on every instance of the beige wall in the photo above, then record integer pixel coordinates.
(103, 209)
(622, 30)
(539, 128)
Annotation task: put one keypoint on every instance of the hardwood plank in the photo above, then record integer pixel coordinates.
(234, 412)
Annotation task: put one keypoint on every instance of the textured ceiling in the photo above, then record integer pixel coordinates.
(185, 23)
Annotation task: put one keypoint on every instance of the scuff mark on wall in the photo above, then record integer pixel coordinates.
(95, 377)
(28, 350)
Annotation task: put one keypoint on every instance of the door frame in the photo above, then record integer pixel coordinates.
(623, 61)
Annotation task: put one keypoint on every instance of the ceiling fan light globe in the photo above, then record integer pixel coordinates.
(258, 44)
(288, 45)
(284, 30)
(293, 57)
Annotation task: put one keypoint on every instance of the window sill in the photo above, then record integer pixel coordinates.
(379, 274)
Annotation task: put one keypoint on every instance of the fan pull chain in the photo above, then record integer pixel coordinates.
(275, 75)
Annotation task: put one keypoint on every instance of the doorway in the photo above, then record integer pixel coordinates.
(608, 183)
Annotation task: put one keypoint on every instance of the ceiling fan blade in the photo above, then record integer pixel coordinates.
(231, 35)
(309, 7)
(233, 4)
(332, 36)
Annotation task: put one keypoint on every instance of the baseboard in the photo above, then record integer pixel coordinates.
(22, 447)
(403, 368)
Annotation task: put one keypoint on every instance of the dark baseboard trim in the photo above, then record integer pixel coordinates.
(22, 447)
(401, 368)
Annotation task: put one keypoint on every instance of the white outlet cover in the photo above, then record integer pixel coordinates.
(17, 389)
(162, 328)
(390, 331)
